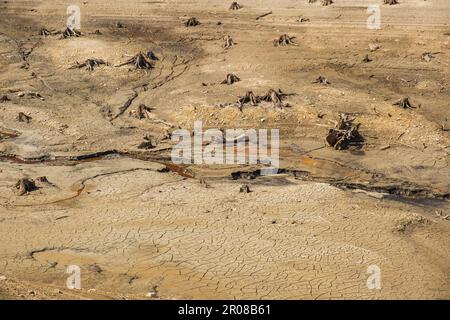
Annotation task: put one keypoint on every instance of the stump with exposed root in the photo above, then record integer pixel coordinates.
(284, 40)
(192, 22)
(249, 97)
(90, 64)
(22, 117)
(25, 185)
(228, 42)
(344, 133)
(322, 80)
(140, 61)
(70, 32)
(235, 6)
(404, 103)
(230, 79)
(276, 97)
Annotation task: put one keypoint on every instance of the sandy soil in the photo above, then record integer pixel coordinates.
(310, 232)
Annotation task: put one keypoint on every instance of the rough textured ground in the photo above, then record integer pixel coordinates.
(309, 233)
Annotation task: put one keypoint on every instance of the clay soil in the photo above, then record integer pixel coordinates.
(132, 220)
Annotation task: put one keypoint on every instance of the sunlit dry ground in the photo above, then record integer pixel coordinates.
(309, 233)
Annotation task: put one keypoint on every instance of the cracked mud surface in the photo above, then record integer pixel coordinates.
(308, 233)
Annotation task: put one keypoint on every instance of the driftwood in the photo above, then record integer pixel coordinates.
(228, 42)
(192, 22)
(249, 97)
(141, 61)
(284, 40)
(390, 2)
(263, 15)
(321, 80)
(404, 103)
(344, 133)
(25, 185)
(90, 64)
(69, 32)
(235, 6)
(230, 79)
(22, 117)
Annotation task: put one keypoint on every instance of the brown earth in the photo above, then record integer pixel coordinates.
(310, 232)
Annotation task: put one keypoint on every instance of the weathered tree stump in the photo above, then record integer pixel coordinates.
(230, 79)
(344, 134)
(90, 64)
(244, 189)
(192, 22)
(235, 6)
(284, 40)
(22, 117)
(404, 103)
(321, 80)
(228, 42)
(366, 59)
(69, 32)
(25, 185)
(140, 61)
(276, 97)
(249, 97)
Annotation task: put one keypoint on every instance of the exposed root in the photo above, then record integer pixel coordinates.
(230, 79)
(90, 64)
(404, 103)
(192, 22)
(344, 133)
(228, 42)
(141, 61)
(249, 97)
(69, 32)
(22, 117)
(284, 40)
(25, 185)
(321, 80)
(235, 6)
